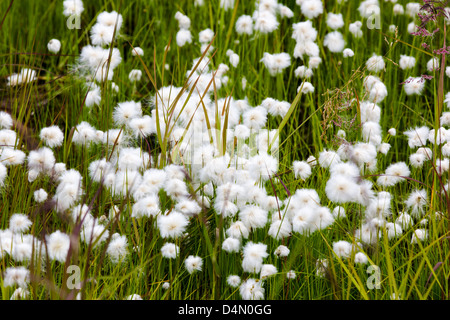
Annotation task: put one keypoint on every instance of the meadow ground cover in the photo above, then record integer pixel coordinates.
(224, 149)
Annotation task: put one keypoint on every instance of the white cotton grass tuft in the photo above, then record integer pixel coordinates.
(132, 159)
(439, 136)
(392, 132)
(172, 225)
(285, 11)
(305, 87)
(98, 169)
(6, 121)
(303, 72)
(282, 251)
(233, 280)
(442, 165)
(54, 45)
(69, 190)
(26, 75)
(58, 244)
(244, 25)
(335, 20)
(125, 111)
(334, 41)
(142, 126)
(107, 23)
(134, 296)
(188, 207)
(148, 206)
(291, 274)
(8, 138)
(277, 108)
(311, 8)
(184, 22)
(321, 219)
(406, 62)
(305, 36)
(369, 8)
(347, 53)
(193, 263)
(238, 230)
(355, 29)
(206, 36)
(305, 197)
(370, 111)
(176, 188)
(227, 4)
(137, 51)
(343, 249)
(404, 220)
(393, 230)
(170, 250)
(183, 37)
(252, 289)
(268, 270)
(328, 157)
(126, 182)
(433, 64)
(302, 169)
(419, 235)
(361, 258)
(265, 21)
(394, 173)
(339, 212)
(117, 249)
(414, 85)
(96, 62)
(280, 229)
(341, 188)
(20, 294)
(135, 75)
(154, 178)
(93, 97)
(418, 136)
(19, 223)
(375, 63)
(101, 35)
(232, 184)
(233, 58)
(254, 253)
(84, 134)
(262, 166)
(231, 245)
(12, 157)
(276, 62)
(73, 7)
(253, 216)
(40, 195)
(19, 276)
(52, 136)
(255, 118)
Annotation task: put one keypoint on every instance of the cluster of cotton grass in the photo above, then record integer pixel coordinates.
(354, 160)
(219, 146)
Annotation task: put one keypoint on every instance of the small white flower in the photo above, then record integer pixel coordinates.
(233, 281)
(348, 53)
(170, 250)
(419, 235)
(54, 45)
(135, 75)
(137, 51)
(40, 195)
(193, 263)
(19, 223)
